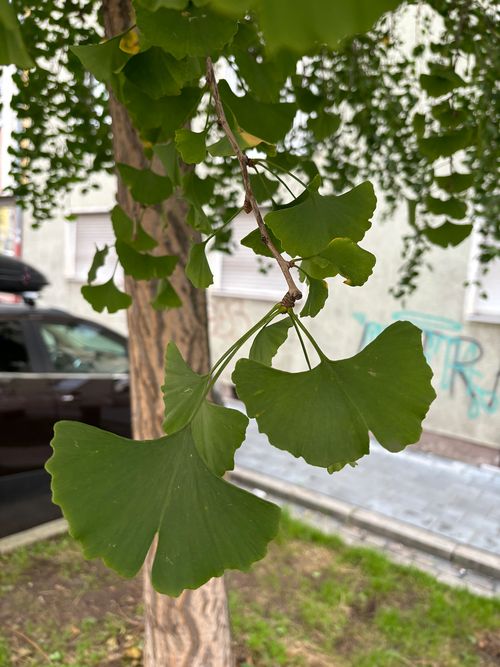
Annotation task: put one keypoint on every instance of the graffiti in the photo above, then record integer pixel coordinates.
(453, 356)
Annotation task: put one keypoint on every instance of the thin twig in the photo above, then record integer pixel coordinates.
(293, 294)
(33, 643)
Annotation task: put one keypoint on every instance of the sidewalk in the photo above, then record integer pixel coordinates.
(444, 502)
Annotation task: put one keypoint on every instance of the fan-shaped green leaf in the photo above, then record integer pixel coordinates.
(106, 296)
(97, 263)
(103, 60)
(263, 188)
(324, 415)
(118, 493)
(454, 183)
(440, 81)
(194, 32)
(197, 267)
(316, 297)
(325, 125)
(447, 234)
(145, 186)
(444, 145)
(183, 391)
(142, 266)
(269, 122)
(217, 431)
(308, 227)
(132, 234)
(454, 208)
(159, 74)
(268, 341)
(254, 242)
(342, 256)
(191, 145)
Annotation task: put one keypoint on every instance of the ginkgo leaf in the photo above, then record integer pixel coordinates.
(441, 80)
(12, 48)
(262, 187)
(132, 233)
(444, 145)
(217, 431)
(454, 208)
(142, 266)
(269, 122)
(300, 26)
(191, 145)
(255, 242)
(196, 31)
(325, 125)
(456, 182)
(308, 227)
(183, 391)
(103, 60)
(106, 296)
(97, 263)
(116, 494)
(449, 115)
(145, 186)
(324, 414)
(170, 160)
(159, 74)
(268, 341)
(342, 256)
(316, 297)
(197, 267)
(447, 234)
(166, 296)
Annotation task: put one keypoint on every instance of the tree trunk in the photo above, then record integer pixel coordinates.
(193, 629)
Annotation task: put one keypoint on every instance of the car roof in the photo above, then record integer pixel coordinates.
(23, 310)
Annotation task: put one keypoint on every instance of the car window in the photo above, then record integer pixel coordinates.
(13, 353)
(82, 348)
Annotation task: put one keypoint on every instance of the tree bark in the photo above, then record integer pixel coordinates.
(193, 629)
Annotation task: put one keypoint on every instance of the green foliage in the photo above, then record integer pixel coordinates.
(303, 84)
(106, 297)
(268, 341)
(97, 263)
(332, 427)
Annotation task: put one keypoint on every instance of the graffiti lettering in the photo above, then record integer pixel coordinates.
(452, 355)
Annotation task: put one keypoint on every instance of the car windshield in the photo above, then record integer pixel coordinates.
(82, 348)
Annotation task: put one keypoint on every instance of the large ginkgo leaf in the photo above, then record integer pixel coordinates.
(324, 415)
(118, 493)
(308, 227)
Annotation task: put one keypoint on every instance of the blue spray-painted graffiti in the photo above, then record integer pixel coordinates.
(450, 353)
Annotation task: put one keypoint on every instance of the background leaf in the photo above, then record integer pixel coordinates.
(145, 186)
(197, 267)
(106, 296)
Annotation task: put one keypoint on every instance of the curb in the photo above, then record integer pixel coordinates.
(459, 553)
(42, 532)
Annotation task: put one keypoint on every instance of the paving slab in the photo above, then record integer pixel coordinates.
(451, 499)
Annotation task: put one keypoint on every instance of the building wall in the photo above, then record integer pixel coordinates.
(51, 250)
(464, 355)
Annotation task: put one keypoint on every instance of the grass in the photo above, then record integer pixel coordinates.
(312, 602)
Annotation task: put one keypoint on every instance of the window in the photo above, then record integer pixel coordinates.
(243, 274)
(477, 307)
(81, 348)
(84, 234)
(13, 353)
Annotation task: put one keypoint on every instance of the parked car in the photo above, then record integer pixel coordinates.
(52, 366)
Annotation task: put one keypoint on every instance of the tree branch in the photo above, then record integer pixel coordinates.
(293, 294)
